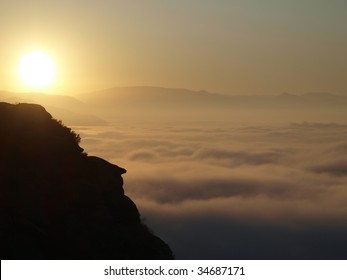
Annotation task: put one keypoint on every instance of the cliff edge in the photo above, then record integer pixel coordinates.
(56, 202)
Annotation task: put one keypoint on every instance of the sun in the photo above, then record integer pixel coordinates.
(37, 70)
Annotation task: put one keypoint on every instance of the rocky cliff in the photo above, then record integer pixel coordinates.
(56, 202)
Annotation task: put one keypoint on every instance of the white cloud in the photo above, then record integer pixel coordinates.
(223, 190)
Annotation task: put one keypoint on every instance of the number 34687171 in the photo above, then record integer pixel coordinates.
(221, 270)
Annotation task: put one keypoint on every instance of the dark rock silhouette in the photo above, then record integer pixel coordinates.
(56, 202)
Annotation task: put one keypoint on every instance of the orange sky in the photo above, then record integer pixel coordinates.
(236, 47)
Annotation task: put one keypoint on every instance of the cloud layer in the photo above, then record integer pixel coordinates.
(235, 191)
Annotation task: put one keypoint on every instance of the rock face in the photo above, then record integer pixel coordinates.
(56, 202)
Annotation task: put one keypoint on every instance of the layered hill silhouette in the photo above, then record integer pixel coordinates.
(153, 97)
(151, 103)
(56, 202)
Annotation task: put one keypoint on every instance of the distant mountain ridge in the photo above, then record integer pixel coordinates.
(173, 94)
(157, 103)
(150, 95)
(145, 101)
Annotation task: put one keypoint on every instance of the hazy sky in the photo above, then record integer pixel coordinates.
(228, 46)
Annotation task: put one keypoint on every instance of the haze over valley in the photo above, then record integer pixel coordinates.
(153, 103)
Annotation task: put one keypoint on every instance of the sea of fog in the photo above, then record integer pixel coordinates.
(227, 190)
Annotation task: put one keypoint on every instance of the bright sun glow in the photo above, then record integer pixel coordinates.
(37, 70)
